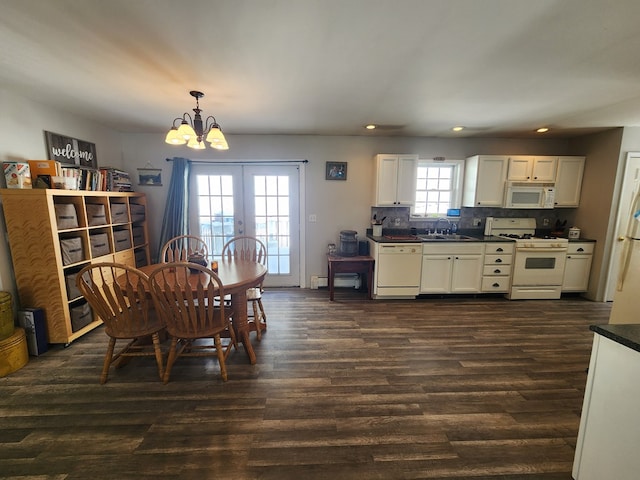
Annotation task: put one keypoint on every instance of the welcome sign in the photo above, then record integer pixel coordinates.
(70, 150)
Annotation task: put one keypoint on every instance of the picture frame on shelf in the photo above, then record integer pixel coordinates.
(336, 171)
(150, 177)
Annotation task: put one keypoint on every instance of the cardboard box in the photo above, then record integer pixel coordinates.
(44, 167)
(17, 174)
(32, 320)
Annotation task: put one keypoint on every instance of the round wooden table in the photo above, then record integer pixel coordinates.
(237, 276)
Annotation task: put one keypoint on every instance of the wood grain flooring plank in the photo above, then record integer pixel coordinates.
(478, 388)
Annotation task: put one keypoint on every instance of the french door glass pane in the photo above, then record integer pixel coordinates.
(215, 210)
(271, 197)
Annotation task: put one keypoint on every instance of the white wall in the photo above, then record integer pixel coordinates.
(338, 205)
(22, 126)
(594, 215)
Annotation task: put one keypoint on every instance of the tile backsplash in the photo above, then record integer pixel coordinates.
(398, 217)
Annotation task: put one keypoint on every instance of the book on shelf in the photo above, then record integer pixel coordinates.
(115, 180)
(53, 174)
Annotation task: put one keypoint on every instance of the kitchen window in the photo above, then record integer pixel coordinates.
(438, 187)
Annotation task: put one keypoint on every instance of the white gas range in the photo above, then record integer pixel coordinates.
(538, 264)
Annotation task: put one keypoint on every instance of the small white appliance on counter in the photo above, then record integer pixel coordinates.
(538, 265)
(527, 195)
(626, 303)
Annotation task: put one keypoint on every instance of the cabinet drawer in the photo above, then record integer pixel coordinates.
(499, 248)
(451, 248)
(495, 284)
(497, 259)
(125, 257)
(580, 248)
(496, 270)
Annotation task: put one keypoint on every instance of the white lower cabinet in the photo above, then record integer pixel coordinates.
(608, 437)
(577, 267)
(496, 273)
(451, 267)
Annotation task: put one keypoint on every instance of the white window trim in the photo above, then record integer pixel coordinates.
(458, 181)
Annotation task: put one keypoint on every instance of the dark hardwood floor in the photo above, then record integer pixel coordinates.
(462, 388)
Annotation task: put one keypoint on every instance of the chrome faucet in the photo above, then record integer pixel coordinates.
(442, 231)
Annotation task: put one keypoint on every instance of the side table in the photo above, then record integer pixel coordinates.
(359, 264)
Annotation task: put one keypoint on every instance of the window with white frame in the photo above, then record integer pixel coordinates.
(438, 187)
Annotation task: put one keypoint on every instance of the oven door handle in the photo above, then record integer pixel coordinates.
(541, 249)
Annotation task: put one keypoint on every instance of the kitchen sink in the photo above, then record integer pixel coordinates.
(445, 236)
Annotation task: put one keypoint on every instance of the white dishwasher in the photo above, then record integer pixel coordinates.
(397, 270)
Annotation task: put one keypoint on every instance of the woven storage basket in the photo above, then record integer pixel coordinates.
(13, 352)
(6, 316)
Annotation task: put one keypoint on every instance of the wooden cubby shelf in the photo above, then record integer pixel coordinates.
(55, 233)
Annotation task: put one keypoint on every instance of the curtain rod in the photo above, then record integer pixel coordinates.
(238, 162)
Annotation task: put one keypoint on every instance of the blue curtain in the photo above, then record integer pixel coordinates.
(176, 212)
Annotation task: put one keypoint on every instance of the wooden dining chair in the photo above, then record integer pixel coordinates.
(245, 247)
(180, 248)
(185, 295)
(126, 309)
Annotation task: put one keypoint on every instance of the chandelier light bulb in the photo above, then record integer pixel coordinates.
(174, 138)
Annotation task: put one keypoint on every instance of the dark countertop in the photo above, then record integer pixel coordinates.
(625, 334)
(478, 236)
(581, 240)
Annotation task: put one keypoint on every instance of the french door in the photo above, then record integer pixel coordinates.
(256, 200)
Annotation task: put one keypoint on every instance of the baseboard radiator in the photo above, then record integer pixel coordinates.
(348, 280)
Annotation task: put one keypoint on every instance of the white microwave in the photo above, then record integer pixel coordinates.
(527, 195)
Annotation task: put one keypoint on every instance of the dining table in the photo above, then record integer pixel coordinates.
(237, 276)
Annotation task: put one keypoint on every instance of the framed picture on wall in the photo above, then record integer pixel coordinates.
(150, 177)
(336, 171)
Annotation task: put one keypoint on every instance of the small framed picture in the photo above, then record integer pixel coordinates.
(150, 177)
(336, 171)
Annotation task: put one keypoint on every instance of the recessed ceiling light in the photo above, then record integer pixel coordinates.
(459, 128)
(371, 126)
(542, 130)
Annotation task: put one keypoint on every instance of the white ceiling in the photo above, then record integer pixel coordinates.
(498, 67)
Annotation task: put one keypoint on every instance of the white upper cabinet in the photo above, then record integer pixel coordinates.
(484, 181)
(569, 181)
(395, 180)
(526, 168)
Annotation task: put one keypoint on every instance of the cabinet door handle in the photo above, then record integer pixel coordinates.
(497, 270)
(499, 249)
(498, 260)
(568, 256)
(581, 249)
(496, 284)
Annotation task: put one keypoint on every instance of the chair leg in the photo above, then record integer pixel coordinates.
(256, 319)
(220, 352)
(262, 314)
(107, 360)
(170, 360)
(158, 351)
